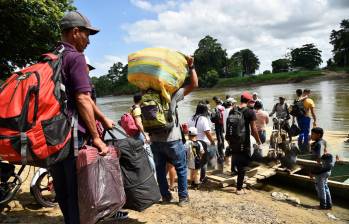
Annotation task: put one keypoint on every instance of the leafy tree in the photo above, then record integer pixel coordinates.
(248, 60)
(307, 56)
(329, 63)
(280, 65)
(115, 73)
(266, 72)
(210, 56)
(115, 82)
(208, 79)
(28, 29)
(340, 41)
(234, 68)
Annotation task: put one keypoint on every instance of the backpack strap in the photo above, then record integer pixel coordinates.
(197, 119)
(24, 148)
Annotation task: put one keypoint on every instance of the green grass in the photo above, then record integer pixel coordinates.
(282, 77)
(339, 69)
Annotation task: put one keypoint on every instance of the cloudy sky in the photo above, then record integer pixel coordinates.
(267, 27)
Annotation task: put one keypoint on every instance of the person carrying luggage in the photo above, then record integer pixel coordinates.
(136, 114)
(203, 128)
(75, 31)
(167, 146)
(195, 156)
(240, 123)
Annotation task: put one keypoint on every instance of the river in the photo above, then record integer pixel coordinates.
(331, 99)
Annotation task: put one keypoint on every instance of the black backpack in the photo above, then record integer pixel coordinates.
(297, 109)
(236, 129)
(215, 116)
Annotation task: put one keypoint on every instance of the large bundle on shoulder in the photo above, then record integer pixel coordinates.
(160, 69)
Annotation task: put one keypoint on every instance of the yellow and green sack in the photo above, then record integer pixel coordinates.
(159, 69)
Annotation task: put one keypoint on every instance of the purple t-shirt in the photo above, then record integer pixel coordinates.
(75, 77)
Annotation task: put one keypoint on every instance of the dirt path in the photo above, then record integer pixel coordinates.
(210, 204)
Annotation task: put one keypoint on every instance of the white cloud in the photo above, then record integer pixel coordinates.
(102, 66)
(268, 27)
(147, 6)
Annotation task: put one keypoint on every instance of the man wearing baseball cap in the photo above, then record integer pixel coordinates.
(75, 32)
(241, 148)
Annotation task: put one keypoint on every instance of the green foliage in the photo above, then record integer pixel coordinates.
(29, 28)
(269, 78)
(281, 65)
(210, 56)
(307, 56)
(208, 79)
(246, 60)
(234, 68)
(266, 72)
(340, 41)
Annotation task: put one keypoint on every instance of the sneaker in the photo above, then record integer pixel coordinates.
(167, 199)
(120, 215)
(183, 201)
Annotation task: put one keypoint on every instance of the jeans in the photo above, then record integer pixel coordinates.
(65, 185)
(262, 135)
(322, 190)
(174, 153)
(303, 138)
(241, 161)
(220, 141)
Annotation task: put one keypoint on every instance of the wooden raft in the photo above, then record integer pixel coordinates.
(254, 175)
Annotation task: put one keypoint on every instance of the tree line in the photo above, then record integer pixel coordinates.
(30, 28)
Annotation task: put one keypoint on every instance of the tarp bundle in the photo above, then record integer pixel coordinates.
(140, 184)
(160, 69)
(100, 186)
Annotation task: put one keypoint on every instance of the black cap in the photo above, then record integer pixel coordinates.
(76, 19)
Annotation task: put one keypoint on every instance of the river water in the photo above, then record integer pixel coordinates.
(331, 99)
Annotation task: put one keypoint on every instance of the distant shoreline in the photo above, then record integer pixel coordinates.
(282, 78)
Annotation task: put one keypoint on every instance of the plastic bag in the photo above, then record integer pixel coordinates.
(160, 69)
(100, 188)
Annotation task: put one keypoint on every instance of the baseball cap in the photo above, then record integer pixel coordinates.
(247, 95)
(193, 131)
(76, 19)
(231, 100)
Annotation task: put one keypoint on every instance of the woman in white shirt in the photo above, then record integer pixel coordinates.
(202, 124)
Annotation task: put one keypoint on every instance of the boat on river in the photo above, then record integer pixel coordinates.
(338, 181)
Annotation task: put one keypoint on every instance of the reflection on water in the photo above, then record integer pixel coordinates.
(331, 99)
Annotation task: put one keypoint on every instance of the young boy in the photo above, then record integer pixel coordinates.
(323, 170)
(195, 152)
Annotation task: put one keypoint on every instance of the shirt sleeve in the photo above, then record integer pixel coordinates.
(79, 78)
(136, 112)
(252, 115)
(309, 103)
(205, 124)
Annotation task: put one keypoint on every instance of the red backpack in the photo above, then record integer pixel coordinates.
(34, 127)
(127, 122)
